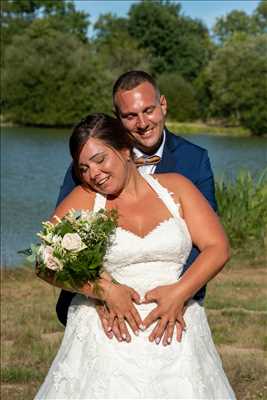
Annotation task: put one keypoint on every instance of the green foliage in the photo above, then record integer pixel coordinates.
(16, 15)
(52, 74)
(237, 80)
(240, 22)
(235, 21)
(243, 210)
(52, 78)
(177, 43)
(182, 104)
(260, 16)
(117, 50)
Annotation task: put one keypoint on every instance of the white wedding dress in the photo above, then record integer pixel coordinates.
(88, 365)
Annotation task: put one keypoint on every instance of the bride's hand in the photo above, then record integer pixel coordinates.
(119, 299)
(169, 312)
(103, 314)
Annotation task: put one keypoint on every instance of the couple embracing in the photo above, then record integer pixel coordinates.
(151, 338)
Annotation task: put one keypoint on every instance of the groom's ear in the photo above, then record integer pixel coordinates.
(163, 104)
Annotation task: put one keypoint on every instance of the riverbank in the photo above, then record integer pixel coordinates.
(236, 308)
(201, 128)
(186, 128)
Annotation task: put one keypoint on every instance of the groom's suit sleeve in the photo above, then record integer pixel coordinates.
(205, 183)
(65, 297)
(205, 180)
(68, 184)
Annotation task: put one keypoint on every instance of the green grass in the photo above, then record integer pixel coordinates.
(19, 375)
(199, 128)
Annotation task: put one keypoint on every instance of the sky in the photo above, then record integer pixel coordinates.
(207, 10)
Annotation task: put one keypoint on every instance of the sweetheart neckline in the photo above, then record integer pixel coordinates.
(150, 232)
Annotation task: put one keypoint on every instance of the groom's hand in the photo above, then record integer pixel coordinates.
(169, 314)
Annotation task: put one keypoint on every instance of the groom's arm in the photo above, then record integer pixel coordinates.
(205, 180)
(69, 183)
(65, 298)
(205, 184)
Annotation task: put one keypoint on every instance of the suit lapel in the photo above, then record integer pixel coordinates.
(168, 161)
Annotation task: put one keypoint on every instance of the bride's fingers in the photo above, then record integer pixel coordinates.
(116, 330)
(151, 317)
(123, 329)
(153, 334)
(110, 319)
(181, 321)
(135, 297)
(131, 321)
(168, 334)
(150, 296)
(158, 331)
(137, 318)
(179, 331)
(104, 320)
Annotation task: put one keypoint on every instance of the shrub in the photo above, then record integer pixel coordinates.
(243, 210)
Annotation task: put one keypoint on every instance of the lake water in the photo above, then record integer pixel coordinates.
(33, 163)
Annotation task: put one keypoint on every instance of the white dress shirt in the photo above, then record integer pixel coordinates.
(150, 169)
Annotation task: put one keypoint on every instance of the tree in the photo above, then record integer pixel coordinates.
(240, 22)
(177, 43)
(52, 78)
(16, 15)
(260, 16)
(235, 21)
(119, 52)
(182, 104)
(238, 81)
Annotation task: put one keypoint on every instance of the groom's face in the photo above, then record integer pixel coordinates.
(142, 113)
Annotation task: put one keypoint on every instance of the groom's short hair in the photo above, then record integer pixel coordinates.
(130, 80)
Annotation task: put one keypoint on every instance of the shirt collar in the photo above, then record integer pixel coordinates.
(138, 153)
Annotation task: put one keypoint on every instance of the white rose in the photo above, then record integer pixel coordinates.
(72, 242)
(50, 261)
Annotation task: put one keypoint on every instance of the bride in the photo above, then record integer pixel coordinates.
(159, 218)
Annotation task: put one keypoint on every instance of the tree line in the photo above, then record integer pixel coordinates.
(52, 73)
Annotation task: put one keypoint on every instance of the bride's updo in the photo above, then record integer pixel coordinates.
(99, 126)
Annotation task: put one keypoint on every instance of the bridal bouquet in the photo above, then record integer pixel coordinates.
(72, 250)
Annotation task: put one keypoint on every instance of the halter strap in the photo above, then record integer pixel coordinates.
(100, 202)
(163, 194)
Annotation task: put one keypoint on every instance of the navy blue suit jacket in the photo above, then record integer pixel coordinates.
(179, 155)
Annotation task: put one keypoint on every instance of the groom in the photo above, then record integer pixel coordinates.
(142, 110)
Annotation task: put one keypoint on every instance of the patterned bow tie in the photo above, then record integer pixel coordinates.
(151, 160)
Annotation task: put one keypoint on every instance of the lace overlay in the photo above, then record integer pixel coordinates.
(90, 366)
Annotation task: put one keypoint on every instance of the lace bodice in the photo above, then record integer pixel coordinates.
(159, 256)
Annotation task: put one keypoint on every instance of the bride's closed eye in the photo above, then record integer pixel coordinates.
(99, 159)
(83, 169)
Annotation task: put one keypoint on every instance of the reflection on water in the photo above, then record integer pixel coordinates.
(33, 163)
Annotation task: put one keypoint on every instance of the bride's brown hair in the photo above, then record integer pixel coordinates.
(99, 126)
